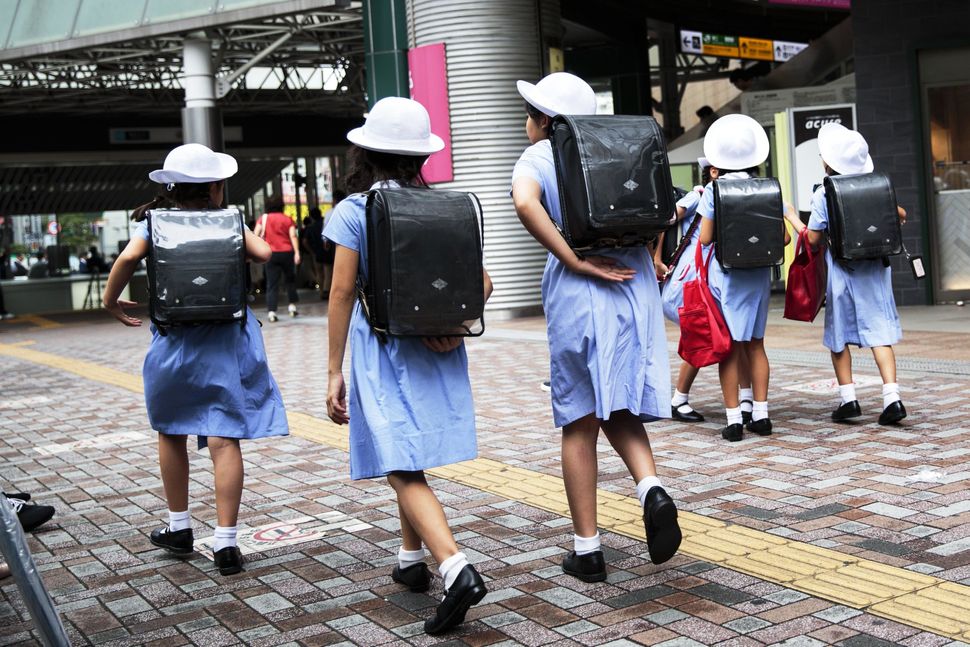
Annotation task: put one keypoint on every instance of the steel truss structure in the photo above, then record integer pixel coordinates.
(309, 61)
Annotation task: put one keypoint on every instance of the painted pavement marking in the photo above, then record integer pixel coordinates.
(288, 533)
(103, 440)
(911, 598)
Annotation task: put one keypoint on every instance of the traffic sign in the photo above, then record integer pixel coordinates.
(53, 228)
(756, 48)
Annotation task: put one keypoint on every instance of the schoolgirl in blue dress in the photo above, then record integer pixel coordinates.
(860, 309)
(410, 405)
(735, 146)
(608, 350)
(210, 381)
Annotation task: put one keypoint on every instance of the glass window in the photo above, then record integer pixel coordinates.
(97, 16)
(39, 21)
(162, 10)
(7, 9)
(228, 5)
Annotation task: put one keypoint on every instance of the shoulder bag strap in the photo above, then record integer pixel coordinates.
(682, 246)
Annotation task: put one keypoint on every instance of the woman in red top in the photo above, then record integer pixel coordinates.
(279, 231)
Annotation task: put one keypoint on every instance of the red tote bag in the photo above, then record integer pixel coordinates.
(704, 336)
(807, 279)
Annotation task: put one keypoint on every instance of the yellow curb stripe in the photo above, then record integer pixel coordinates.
(41, 322)
(904, 596)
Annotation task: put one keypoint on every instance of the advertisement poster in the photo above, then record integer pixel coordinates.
(807, 168)
(429, 87)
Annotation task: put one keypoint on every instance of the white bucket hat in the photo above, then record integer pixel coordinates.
(845, 151)
(735, 143)
(397, 125)
(559, 93)
(194, 164)
(702, 163)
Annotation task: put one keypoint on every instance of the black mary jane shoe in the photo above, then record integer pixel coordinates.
(179, 542)
(745, 415)
(229, 560)
(590, 567)
(761, 427)
(893, 413)
(467, 590)
(660, 523)
(689, 416)
(847, 411)
(733, 433)
(416, 577)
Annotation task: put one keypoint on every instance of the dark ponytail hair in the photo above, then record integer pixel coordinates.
(366, 168)
(172, 195)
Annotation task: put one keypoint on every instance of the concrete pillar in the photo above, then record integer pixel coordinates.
(201, 119)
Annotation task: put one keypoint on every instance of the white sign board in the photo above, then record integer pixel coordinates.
(785, 50)
(807, 169)
(691, 42)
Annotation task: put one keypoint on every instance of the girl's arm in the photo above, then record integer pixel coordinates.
(257, 249)
(658, 262)
(527, 198)
(124, 266)
(814, 237)
(488, 284)
(342, 294)
(707, 231)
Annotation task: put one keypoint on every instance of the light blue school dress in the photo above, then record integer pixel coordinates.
(742, 293)
(607, 346)
(672, 294)
(859, 305)
(211, 380)
(410, 408)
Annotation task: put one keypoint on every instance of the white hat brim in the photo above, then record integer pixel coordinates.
(428, 146)
(534, 97)
(703, 163)
(829, 145)
(226, 167)
(726, 124)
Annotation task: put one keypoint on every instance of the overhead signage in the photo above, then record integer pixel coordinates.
(719, 45)
(691, 42)
(162, 135)
(725, 46)
(756, 48)
(784, 50)
(822, 4)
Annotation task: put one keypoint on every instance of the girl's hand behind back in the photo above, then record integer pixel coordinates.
(604, 268)
(117, 311)
(442, 344)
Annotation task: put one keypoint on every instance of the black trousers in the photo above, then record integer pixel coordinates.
(280, 263)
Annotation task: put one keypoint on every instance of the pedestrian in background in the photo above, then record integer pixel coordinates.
(410, 405)
(860, 309)
(279, 230)
(211, 380)
(315, 246)
(735, 146)
(607, 346)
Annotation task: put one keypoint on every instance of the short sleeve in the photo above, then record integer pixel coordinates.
(345, 225)
(819, 219)
(689, 201)
(140, 230)
(706, 205)
(528, 166)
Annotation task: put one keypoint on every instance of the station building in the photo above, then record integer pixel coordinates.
(94, 92)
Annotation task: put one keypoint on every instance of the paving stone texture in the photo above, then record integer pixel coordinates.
(898, 496)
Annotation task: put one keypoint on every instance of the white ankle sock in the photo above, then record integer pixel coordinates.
(747, 397)
(733, 415)
(179, 520)
(678, 399)
(890, 394)
(847, 392)
(586, 545)
(407, 558)
(644, 486)
(759, 411)
(451, 567)
(223, 537)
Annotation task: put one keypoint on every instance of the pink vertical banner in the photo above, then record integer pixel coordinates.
(429, 87)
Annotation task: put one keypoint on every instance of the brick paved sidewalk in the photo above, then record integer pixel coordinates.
(897, 497)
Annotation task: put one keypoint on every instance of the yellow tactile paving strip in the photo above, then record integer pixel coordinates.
(898, 594)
